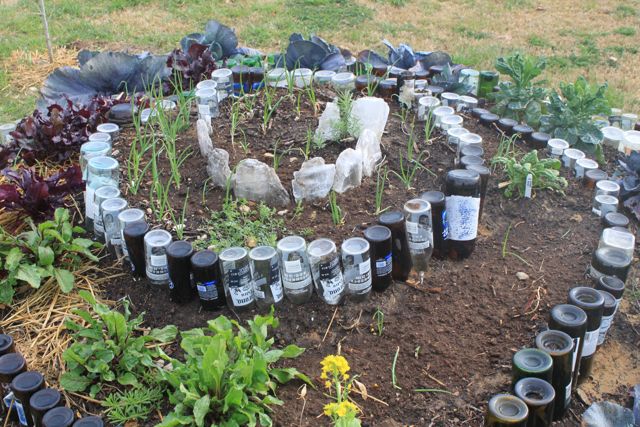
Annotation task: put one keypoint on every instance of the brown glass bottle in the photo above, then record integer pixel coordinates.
(462, 189)
(179, 263)
(559, 346)
(206, 276)
(505, 410)
(437, 201)
(380, 248)
(592, 302)
(401, 258)
(134, 233)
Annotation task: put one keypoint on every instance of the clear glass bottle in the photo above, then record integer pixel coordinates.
(357, 267)
(156, 243)
(110, 209)
(296, 273)
(265, 274)
(102, 194)
(102, 170)
(419, 228)
(236, 277)
(325, 268)
(112, 129)
(89, 150)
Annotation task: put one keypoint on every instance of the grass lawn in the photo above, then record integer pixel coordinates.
(597, 39)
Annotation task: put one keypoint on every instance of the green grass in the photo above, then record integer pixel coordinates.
(625, 31)
(625, 11)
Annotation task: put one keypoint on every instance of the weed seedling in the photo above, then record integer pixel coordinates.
(394, 381)
(381, 182)
(336, 212)
(378, 318)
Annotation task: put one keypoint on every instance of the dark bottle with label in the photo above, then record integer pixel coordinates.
(380, 252)
(58, 417)
(571, 320)
(206, 276)
(462, 189)
(11, 365)
(91, 421)
(437, 201)
(608, 261)
(614, 286)
(400, 255)
(6, 344)
(485, 174)
(134, 233)
(559, 346)
(592, 302)
(531, 362)
(539, 397)
(505, 410)
(23, 387)
(607, 315)
(179, 262)
(41, 402)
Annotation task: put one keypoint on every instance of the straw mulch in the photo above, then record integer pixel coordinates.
(27, 69)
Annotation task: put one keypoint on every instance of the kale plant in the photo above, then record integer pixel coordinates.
(449, 80)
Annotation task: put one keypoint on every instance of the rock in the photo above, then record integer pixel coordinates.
(204, 140)
(314, 180)
(369, 147)
(326, 123)
(348, 170)
(218, 167)
(521, 275)
(370, 113)
(259, 182)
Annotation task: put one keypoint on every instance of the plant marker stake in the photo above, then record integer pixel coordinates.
(45, 24)
(528, 185)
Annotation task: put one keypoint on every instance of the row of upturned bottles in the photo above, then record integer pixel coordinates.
(26, 400)
(544, 377)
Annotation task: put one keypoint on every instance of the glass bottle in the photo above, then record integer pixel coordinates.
(505, 410)
(357, 268)
(613, 285)
(102, 170)
(41, 402)
(539, 396)
(91, 421)
(571, 320)
(59, 417)
(6, 344)
(400, 255)
(419, 234)
(559, 346)
(206, 277)
(608, 261)
(134, 233)
(111, 129)
(111, 209)
(156, 243)
(224, 78)
(23, 387)
(325, 269)
(485, 174)
(89, 150)
(296, 273)
(592, 302)
(437, 201)
(127, 216)
(236, 277)
(488, 80)
(102, 194)
(179, 266)
(462, 189)
(531, 362)
(380, 253)
(607, 315)
(265, 274)
(11, 365)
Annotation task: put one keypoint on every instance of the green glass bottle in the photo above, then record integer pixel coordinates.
(559, 346)
(571, 320)
(592, 302)
(531, 362)
(505, 410)
(488, 80)
(539, 396)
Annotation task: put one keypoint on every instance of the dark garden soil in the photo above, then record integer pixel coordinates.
(457, 333)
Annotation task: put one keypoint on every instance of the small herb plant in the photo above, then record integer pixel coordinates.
(347, 125)
(136, 404)
(48, 250)
(520, 99)
(545, 174)
(571, 111)
(342, 412)
(110, 349)
(227, 377)
(336, 211)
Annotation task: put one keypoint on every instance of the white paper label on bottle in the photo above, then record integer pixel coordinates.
(241, 295)
(88, 202)
(292, 266)
(576, 347)
(618, 301)
(605, 324)
(590, 343)
(297, 285)
(418, 246)
(528, 186)
(567, 395)
(276, 291)
(207, 291)
(411, 227)
(10, 401)
(333, 288)
(462, 217)
(364, 267)
(259, 294)
(158, 260)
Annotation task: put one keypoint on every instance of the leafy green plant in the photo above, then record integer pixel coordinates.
(111, 348)
(336, 211)
(545, 174)
(132, 405)
(270, 105)
(50, 249)
(520, 99)
(237, 224)
(347, 125)
(409, 165)
(378, 318)
(228, 378)
(570, 113)
(179, 224)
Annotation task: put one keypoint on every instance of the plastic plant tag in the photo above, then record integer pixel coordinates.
(528, 186)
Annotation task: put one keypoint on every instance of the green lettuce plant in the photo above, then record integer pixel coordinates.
(545, 173)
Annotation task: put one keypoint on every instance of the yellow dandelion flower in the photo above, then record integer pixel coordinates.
(346, 408)
(330, 408)
(327, 384)
(345, 377)
(323, 375)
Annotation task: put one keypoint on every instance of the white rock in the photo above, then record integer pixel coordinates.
(314, 180)
(521, 275)
(259, 182)
(218, 167)
(368, 146)
(326, 124)
(204, 140)
(370, 113)
(348, 171)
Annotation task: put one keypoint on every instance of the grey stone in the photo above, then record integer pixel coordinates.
(314, 180)
(348, 171)
(259, 182)
(326, 123)
(204, 140)
(368, 146)
(370, 113)
(218, 167)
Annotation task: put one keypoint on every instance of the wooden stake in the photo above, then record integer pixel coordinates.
(45, 23)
